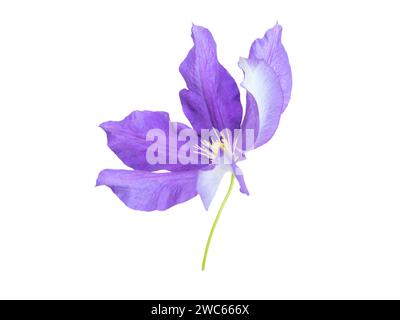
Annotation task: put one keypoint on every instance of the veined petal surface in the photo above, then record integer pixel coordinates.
(212, 99)
(148, 191)
(264, 99)
(270, 49)
(127, 138)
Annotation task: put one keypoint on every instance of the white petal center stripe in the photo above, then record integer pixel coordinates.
(262, 83)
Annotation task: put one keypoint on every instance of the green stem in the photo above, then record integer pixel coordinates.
(203, 266)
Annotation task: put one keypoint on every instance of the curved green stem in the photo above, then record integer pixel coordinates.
(203, 266)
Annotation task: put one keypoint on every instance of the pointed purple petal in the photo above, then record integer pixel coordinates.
(148, 191)
(208, 182)
(127, 138)
(270, 49)
(239, 177)
(212, 99)
(264, 99)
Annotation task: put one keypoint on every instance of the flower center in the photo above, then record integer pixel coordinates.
(217, 145)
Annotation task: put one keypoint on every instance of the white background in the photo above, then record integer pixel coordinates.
(322, 220)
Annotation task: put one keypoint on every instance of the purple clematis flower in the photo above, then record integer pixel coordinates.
(210, 102)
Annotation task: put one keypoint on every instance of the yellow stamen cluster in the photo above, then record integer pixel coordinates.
(219, 141)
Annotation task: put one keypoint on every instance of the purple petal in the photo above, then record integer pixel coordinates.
(270, 49)
(264, 99)
(239, 177)
(208, 182)
(148, 191)
(212, 99)
(127, 138)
